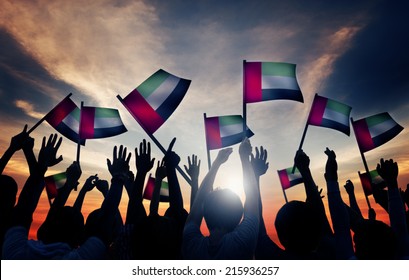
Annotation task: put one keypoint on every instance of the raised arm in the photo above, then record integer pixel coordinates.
(17, 143)
(73, 175)
(338, 211)
(389, 170)
(302, 162)
(196, 212)
(89, 185)
(160, 174)
(175, 195)
(144, 163)
(31, 192)
(349, 187)
(193, 170)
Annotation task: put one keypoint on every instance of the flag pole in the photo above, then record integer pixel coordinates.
(365, 163)
(209, 161)
(285, 196)
(43, 118)
(244, 105)
(305, 132)
(157, 143)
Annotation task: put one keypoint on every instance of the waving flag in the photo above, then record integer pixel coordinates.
(53, 183)
(269, 81)
(65, 118)
(100, 123)
(329, 113)
(288, 178)
(373, 179)
(153, 101)
(223, 131)
(150, 186)
(374, 131)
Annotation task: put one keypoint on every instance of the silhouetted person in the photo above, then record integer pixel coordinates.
(231, 236)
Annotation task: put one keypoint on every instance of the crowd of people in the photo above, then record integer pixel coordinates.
(236, 230)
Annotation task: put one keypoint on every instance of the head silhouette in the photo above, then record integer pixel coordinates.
(63, 224)
(8, 192)
(222, 209)
(298, 227)
(374, 240)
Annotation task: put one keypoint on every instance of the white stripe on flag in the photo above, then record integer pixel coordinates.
(107, 122)
(294, 176)
(336, 116)
(381, 127)
(279, 82)
(157, 97)
(72, 123)
(231, 129)
(164, 192)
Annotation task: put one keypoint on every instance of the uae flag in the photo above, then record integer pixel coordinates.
(329, 113)
(150, 186)
(65, 118)
(374, 131)
(270, 81)
(288, 178)
(224, 131)
(153, 101)
(53, 183)
(99, 122)
(368, 181)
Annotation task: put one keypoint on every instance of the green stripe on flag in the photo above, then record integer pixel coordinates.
(230, 120)
(152, 83)
(338, 107)
(59, 177)
(106, 113)
(278, 69)
(377, 119)
(76, 114)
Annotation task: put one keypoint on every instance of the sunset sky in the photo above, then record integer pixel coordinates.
(355, 52)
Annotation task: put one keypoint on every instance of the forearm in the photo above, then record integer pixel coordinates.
(80, 200)
(31, 159)
(5, 159)
(397, 217)
(175, 195)
(354, 204)
(154, 206)
(64, 193)
(135, 209)
(251, 205)
(340, 222)
(193, 191)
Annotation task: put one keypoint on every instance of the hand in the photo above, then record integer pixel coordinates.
(331, 166)
(302, 161)
(245, 148)
(73, 174)
(18, 141)
(90, 183)
(160, 170)
(28, 145)
(259, 162)
(143, 160)
(223, 156)
(102, 186)
(349, 187)
(171, 158)
(388, 170)
(119, 167)
(193, 168)
(48, 152)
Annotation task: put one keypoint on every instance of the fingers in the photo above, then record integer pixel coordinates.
(171, 144)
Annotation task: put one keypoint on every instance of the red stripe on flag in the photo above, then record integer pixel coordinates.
(87, 122)
(366, 183)
(150, 185)
(142, 112)
(59, 112)
(213, 138)
(50, 187)
(252, 82)
(317, 110)
(362, 135)
(285, 182)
